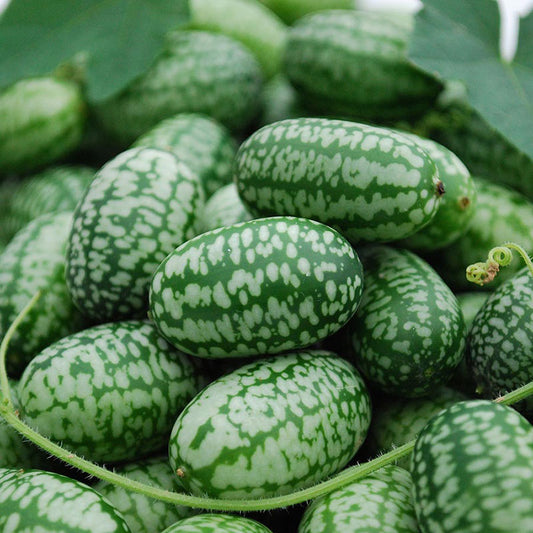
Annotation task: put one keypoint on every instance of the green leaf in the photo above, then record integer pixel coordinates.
(459, 40)
(116, 40)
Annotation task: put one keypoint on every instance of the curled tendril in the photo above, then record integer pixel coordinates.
(500, 256)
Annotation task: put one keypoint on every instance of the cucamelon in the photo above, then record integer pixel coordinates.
(254, 288)
(369, 183)
(271, 427)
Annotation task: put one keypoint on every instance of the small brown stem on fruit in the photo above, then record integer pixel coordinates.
(440, 188)
(180, 473)
(464, 202)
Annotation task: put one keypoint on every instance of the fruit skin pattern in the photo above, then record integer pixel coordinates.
(500, 354)
(354, 64)
(398, 420)
(408, 333)
(198, 72)
(217, 523)
(456, 207)
(369, 183)
(144, 514)
(473, 470)
(139, 207)
(109, 393)
(254, 288)
(41, 120)
(36, 502)
(200, 142)
(51, 191)
(224, 208)
(35, 260)
(271, 427)
(379, 503)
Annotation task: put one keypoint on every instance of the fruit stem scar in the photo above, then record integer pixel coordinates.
(500, 256)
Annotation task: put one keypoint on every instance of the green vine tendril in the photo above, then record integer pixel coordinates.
(345, 477)
(500, 256)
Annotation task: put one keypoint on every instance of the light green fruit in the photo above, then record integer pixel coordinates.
(271, 427)
(142, 513)
(353, 64)
(379, 503)
(369, 183)
(34, 261)
(109, 393)
(217, 523)
(398, 420)
(139, 207)
(472, 470)
(39, 502)
(41, 120)
(457, 206)
(197, 72)
(241, 20)
(259, 287)
(200, 142)
(224, 208)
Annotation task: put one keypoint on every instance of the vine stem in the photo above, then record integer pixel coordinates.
(500, 256)
(345, 477)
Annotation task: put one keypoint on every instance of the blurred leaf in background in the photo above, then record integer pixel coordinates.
(458, 40)
(106, 43)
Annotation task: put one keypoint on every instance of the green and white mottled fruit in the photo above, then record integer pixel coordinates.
(224, 208)
(198, 72)
(240, 20)
(144, 514)
(291, 10)
(408, 333)
(217, 523)
(379, 503)
(35, 260)
(500, 354)
(139, 207)
(354, 64)
(41, 120)
(399, 420)
(53, 190)
(254, 288)
(369, 183)
(472, 471)
(279, 101)
(456, 207)
(39, 502)
(200, 142)
(109, 393)
(501, 215)
(271, 427)
(14, 451)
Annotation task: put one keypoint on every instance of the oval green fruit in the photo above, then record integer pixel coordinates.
(369, 183)
(109, 393)
(271, 427)
(408, 333)
(258, 287)
(354, 64)
(472, 470)
(37, 501)
(139, 207)
(217, 523)
(379, 503)
(197, 72)
(41, 120)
